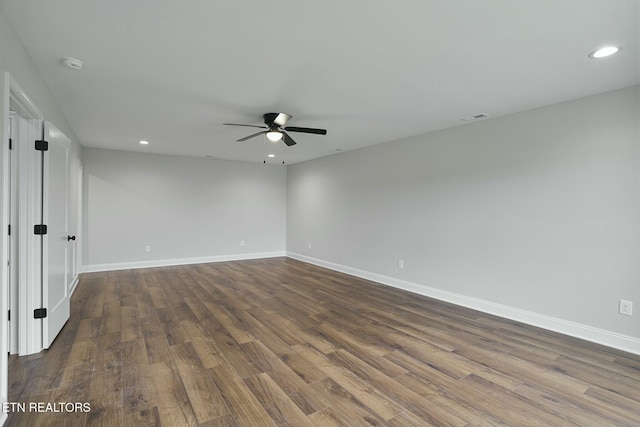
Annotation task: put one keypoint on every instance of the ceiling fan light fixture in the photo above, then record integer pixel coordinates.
(274, 135)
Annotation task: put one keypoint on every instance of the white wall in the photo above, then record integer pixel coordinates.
(534, 216)
(186, 209)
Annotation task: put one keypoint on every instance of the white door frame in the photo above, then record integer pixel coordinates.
(30, 245)
(77, 248)
(13, 248)
(16, 99)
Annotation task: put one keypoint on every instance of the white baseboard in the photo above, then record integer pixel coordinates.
(589, 333)
(72, 288)
(178, 261)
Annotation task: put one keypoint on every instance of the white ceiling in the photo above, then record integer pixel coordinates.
(369, 72)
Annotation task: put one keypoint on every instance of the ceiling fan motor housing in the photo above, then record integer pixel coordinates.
(277, 119)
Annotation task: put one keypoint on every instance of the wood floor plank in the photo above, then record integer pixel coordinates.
(207, 352)
(79, 367)
(327, 417)
(612, 405)
(343, 339)
(131, 328)
(565, 407)
(111, 319)
(174, 408)
(158, 297)
(396, 391)
(88, 329)
(242, 403)
(143, 418)
(204, 397)
(22, 369)
(234, 356)
(361, 389)
(298, 362)
(92, 307)
(260, 357)
(525, 371)
(139, 394)
(172, 328)
(106, 391)
(301, 393)
(408, 419)
(280, 342)
(346, 406)
(282, 410)
(157, 347)
(230, 324)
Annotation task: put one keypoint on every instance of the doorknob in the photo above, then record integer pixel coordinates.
(71, 238)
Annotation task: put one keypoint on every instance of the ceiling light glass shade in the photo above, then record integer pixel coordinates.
(274, 136)
(604, 52)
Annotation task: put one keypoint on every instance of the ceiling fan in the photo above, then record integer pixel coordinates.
(275, 129)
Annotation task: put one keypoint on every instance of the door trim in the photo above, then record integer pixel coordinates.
(14, 98)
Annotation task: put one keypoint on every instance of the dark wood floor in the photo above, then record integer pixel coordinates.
(279, 342)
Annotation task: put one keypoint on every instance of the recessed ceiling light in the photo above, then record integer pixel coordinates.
(143, 142)
(271, 155)
(603, 52)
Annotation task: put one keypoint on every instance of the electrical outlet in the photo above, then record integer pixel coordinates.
(626, 307)
(309, 245)
(401, 264)
(147, 248)
(241, 243)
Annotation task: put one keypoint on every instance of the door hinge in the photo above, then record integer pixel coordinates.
(39, 313)
(40, 229)
(42, 145)
(9, 316)
(9, 229)
(10, 144)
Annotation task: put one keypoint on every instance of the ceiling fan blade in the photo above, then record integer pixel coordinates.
(251, 126)
(250, 136)
(307, 130)
(287, 139)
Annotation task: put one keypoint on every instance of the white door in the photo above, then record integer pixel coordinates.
(56, 274)
(13, 235)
